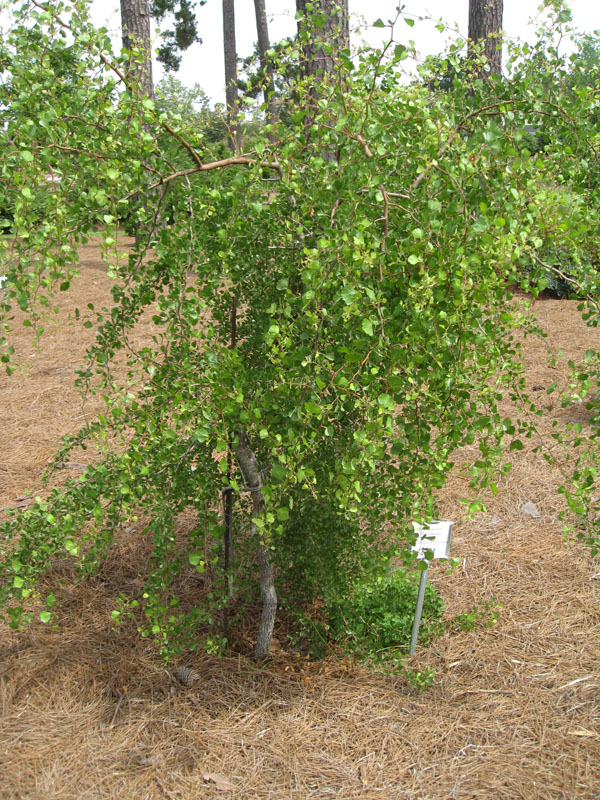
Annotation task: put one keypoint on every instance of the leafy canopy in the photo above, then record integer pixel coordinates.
(369, 244)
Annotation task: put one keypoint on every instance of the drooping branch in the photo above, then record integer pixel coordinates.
(252, 477)
(233, 161)
(130, 84)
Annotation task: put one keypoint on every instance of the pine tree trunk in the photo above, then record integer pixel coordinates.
(262, 32)
(135, 22)
(252, 476)
(485, 23)
(319, 45)
(315, 60)
(135, 26)
(230, 51)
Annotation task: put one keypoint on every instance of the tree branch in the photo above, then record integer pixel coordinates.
(232, 161)
(123, 78)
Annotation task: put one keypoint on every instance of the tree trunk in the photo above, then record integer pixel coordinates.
(262, 32)
(315, 58)
(135, 27)
(230, 51)
(251, 472)
(135, 22)
(485, 23)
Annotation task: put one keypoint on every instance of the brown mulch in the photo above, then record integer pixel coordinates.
(88, 711)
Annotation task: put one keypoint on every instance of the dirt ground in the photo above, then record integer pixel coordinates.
(90, 712)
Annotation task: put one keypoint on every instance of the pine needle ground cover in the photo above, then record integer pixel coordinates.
(88, 711)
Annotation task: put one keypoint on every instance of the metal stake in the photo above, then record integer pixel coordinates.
(418, 611)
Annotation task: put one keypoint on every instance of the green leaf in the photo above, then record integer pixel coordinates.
(349, 293)
(197, 561)
(367, 327)
(385, 401)
(278, 472)
(202, 434)
(45, 616)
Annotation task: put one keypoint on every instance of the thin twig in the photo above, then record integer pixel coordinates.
(122, 696)
(418, 180)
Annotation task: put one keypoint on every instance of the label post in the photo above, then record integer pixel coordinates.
(433, 541)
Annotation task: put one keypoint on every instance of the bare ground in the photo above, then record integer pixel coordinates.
(90, 712)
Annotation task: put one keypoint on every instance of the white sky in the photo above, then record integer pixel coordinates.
(203, 63)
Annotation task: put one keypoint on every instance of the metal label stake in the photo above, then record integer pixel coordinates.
(433, 541)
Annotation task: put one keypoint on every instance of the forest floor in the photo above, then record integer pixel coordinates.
(88, 711)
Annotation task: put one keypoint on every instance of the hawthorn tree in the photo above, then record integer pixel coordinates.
(374, 332)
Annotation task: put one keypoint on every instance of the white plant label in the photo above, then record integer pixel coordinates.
(434, 536)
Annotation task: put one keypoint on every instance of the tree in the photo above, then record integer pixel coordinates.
(183, 34)
(264, 45)
(322, 31)
(192, 107)
(135, 22)
(585, 66)
(376, 336)
(230, 54)
(485, 25)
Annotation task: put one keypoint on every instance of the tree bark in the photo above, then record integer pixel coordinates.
(262, 32)
(315, 56)
(251, 472)
(135, 22)
(485, 23)
(230, 52)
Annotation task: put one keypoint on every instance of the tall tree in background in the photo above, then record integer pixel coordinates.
(485, 23)
(322, 30)
(183, 33)
(230, 52)
(135, 21)
(262, 32)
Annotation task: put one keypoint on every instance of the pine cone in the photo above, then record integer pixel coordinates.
(186, 676)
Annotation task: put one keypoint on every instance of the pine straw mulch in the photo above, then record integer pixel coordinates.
(91, 712)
